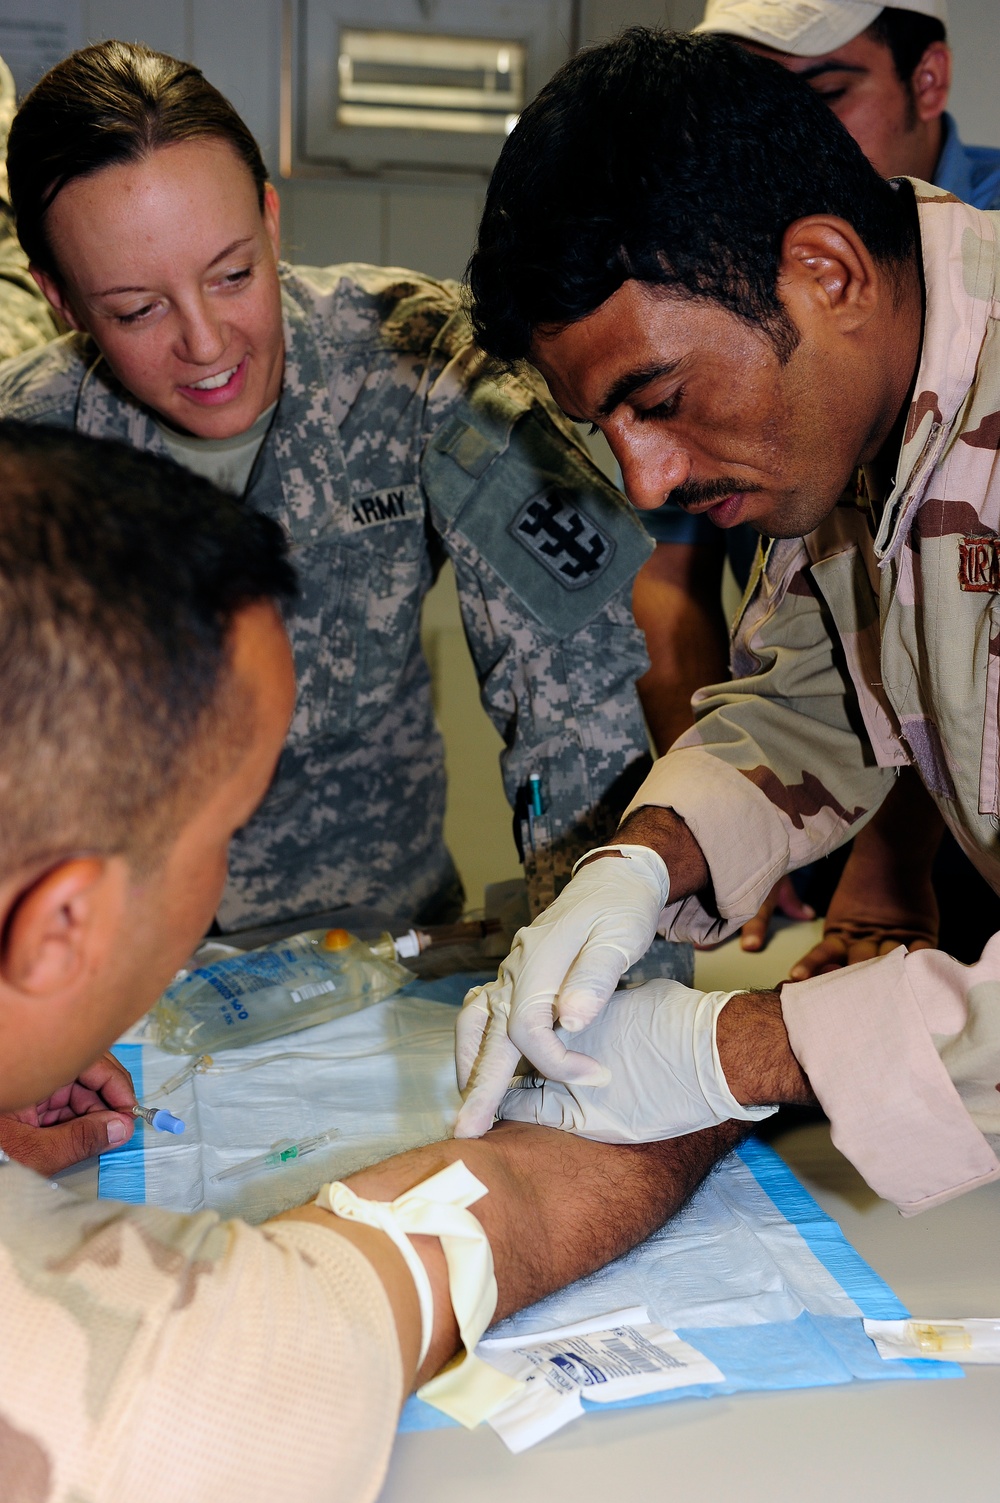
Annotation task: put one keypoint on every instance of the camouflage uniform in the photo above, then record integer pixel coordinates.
(25, 319)
(153, 1356)
(392, 447)
(870, 645)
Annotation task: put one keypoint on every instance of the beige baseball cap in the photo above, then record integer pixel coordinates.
(805, 28)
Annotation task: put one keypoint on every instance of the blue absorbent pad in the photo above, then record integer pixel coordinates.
(751, 1273)
(726, 1275)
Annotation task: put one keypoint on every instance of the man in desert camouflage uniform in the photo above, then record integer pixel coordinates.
(868, 640)
(393, 447)
(148, 1354)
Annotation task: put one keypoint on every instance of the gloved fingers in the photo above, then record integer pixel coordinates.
(489, 1079)
(470, 1027)
(548, 1105)
(531, 1031)
(590, 981)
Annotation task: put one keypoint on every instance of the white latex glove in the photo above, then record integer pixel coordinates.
(562, 968)
(667, 1078)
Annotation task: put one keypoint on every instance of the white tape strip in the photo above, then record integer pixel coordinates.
(468, 1389)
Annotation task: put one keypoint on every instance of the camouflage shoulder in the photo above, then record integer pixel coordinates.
(385, 307)
(507, 477)
(43, 385)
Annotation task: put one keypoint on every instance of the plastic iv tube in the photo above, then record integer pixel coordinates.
(282, 1152)
(193, 1067)
(161, 1120)
(384, 1048)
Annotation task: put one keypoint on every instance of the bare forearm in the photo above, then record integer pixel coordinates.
(667, 834)
(755, 1054)
(558, 1206)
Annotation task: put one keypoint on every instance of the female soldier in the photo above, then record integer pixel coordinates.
(350, 404)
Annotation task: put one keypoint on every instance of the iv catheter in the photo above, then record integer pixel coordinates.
(282, 1152)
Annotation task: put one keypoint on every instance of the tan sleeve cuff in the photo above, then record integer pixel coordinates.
(714, 800)
(863, 1040)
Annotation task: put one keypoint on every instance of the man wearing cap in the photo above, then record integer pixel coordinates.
(885, 72)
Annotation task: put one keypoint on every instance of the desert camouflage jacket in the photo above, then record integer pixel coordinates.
(873, 643)
(393, 446)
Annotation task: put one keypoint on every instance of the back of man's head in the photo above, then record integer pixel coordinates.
(676, 160)
(120, 576)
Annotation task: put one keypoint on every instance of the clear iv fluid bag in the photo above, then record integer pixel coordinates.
(277, 989)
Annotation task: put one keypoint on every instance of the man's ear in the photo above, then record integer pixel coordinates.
(930, 82)
(59, 928)
(827, 271)
(54, 294)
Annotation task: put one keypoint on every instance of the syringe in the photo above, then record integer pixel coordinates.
(282, 1152)
(161, 1120)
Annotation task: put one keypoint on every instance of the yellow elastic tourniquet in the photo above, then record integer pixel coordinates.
(468, 1389)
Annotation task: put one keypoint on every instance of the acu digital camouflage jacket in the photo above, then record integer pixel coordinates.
(393, 446)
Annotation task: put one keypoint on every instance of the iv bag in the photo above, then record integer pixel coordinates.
(277, 989)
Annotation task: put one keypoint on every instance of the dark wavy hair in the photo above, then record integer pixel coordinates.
(107, 104)
(675, 159)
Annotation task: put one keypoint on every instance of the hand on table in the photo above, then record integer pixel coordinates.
(89, 1116)
(667, 1078)
(781, 899)
(562, 968)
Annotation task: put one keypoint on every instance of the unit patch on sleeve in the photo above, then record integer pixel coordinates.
(563, 539)
(978, 566)
(398, 504)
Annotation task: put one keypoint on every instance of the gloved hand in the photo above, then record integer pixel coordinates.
(562, 968)
(667, 1078)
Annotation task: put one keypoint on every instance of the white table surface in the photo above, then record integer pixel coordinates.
(916, 1442)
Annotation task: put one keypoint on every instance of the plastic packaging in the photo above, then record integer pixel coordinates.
(968, 1340)
(280, 988)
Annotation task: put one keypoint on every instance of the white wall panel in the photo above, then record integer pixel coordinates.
(974, 29)
(238, 46)
(162, 24)
(432, 231)
(326, 222)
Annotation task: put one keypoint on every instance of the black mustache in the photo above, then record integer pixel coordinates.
(697, 492)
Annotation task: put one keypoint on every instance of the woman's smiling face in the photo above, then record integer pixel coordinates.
(169, 264)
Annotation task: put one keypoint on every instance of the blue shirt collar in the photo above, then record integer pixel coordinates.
(954, 170)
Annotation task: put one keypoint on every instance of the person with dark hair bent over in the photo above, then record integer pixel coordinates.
(146, 686)
(814, 350)
(885, 72)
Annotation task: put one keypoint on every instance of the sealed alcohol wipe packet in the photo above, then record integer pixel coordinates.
(280, 988)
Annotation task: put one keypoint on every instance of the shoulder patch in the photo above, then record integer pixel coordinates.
(563, 539)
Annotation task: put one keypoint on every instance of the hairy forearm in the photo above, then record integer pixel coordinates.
(755, 1054)
(667, 834)
(558, 1207)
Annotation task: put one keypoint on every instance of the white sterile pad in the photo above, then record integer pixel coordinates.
(936, 1340)
(751, 1273)
(609, 1358)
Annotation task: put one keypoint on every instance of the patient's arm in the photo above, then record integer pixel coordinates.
(558, 1207)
